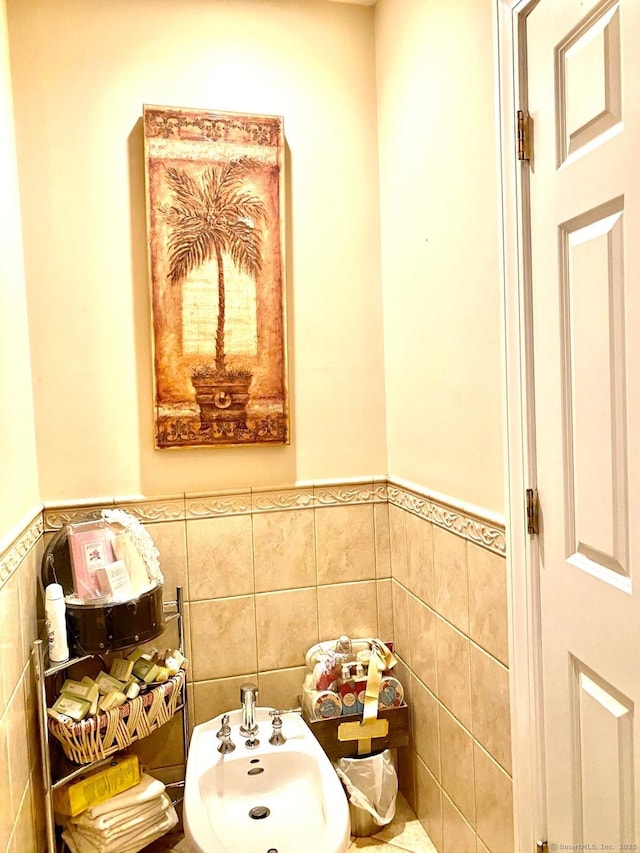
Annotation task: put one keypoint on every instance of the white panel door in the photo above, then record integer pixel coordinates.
(583, 91)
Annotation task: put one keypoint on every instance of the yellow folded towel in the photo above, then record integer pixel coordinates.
(147, 789)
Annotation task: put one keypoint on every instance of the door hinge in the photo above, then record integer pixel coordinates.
(532, 513)
(524, 135)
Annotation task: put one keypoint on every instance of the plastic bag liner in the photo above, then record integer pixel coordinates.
(371, 783)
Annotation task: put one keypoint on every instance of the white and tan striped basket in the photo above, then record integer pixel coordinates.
(110, 731)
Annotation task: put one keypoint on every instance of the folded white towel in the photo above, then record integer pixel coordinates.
(70, 841)
(147, 789)
(78, 841)
(118, 818)
(140, 822)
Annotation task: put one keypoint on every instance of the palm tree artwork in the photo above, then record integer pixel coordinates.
(215, 187)
(216, 215)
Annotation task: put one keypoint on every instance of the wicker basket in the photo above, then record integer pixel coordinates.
(110, 731)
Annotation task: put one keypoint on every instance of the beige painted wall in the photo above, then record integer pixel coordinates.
(18, 471)
(81, 71)
(439, 226)
(78, 92)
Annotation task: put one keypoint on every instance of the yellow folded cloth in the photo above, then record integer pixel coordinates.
(147, 789)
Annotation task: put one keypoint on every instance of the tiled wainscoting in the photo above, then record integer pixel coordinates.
(450, 618)
(267, 573)
(21, 813)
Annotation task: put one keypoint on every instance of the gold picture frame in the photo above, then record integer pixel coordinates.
(215, 224)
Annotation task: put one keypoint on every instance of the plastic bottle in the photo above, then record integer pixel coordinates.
(360, 688)
(348, 691)
(54, 608)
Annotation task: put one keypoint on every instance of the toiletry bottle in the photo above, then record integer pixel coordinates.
(56, 624)
(348, 692)
(360, 688)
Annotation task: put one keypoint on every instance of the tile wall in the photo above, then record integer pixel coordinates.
(21, 814)
(267, 573)
(450, 617)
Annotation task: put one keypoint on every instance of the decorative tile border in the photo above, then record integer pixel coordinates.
(157, 509)
(217, 504)
(147, 511)
(18, 550)
(56, 516)
(457, 519)
(472, 523)
(226, 502)
(491, 538)
(272, 500)
(285, 497)
(366, 491)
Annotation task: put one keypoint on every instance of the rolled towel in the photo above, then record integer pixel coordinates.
(127, 551)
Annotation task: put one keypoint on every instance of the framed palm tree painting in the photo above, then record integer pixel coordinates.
(215, 226)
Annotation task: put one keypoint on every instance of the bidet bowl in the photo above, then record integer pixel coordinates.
(284, 798)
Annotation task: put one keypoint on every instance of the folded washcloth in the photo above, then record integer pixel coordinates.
(148, 817)
(147, 789)
(78, 841)
(119, 819)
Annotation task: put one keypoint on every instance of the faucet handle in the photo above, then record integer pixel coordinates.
(224, 735)
(225, 728)
(277, 738)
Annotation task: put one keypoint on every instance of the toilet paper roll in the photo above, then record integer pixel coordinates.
(325, 704)
(391, 693)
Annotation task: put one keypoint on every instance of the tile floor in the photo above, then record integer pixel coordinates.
(405, 832)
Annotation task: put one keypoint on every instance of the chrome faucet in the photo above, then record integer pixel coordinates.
(248, 696)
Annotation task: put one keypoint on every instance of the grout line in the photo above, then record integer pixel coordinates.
(253, 575)
(448, 710)
(315, 564)
(458, 630)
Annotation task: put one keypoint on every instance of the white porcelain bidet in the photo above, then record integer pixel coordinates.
(281, 798)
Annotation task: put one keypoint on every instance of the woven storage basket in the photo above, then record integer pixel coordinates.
(110, 731)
